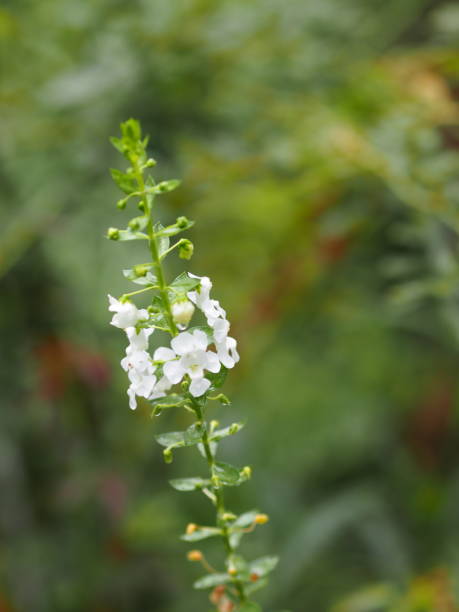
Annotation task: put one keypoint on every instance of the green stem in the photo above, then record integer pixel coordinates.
(219, 499)
(154, 250)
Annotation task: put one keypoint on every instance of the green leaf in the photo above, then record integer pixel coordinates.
(172, 230)
(169, 401)
(227, 473)
(232, 429)
(147, 279)
(211, 580)
(217, 379)
(126, 182)
(130, 235)
(246, 519)
(263, 565)
(131, 129)
(166, 186)
(177, 439)
(184, 283)
(189, 484)
(201, 533)
(163, 242)
(173, 439)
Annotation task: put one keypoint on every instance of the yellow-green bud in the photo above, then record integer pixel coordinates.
(181, 222)
(140, 270)
(246, 471)
(134, 224)
(167, 454)
(186, 249)
(261, 519)
(113, 233)
(228, 516)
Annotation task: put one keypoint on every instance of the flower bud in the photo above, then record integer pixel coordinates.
(140, 270)
(121, 204)
(246, 471)
(194, 555)
(191, 528)
(113, 233)
(232, 571)
(141, 206)
(186, 249)
(181, 222)
(228, 516)
(261, 519)
(134, 224)
(234, 428)
(150, 163)
(167, 454)
(182, 312)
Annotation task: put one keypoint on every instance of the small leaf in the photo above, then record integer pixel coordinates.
(263, 565)
(147, 279)
(131, 129)
(232, 429)
(169, 401)
(173, 439)
(201, 533)
(189, 484)
(172, 230)
(166, 186)
(130, 235)
(126, 182)
(226, 473)
(162, 241)
(218, 379)
(185, 283)
(211, 580)
(246, 519)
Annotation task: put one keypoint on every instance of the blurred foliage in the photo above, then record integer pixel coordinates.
(317, 142)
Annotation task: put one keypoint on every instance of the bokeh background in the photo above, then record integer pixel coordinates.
(318, 147)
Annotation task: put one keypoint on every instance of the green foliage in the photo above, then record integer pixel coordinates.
(318, 146)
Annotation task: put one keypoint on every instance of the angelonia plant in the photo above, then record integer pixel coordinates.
(185, 371)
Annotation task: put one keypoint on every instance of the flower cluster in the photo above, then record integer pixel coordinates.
(188, 354)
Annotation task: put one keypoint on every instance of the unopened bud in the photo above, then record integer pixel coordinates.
(246, 471)
(150, 163)
(186, 249)
(261, 519)
(113, 233)
(234, 428)
(141, 206)
(194, 555)
(214, 424)
(228, 516)
(182, 312)
(181, 222)
(232, 571)
(121, 204)
(191, 528)
(140, 270)
(167, 454)
(134, 224)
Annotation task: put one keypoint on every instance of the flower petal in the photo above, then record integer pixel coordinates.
(199, 386)
(213, 363)
(174, 371)
(200, 339)
(163, 354)
(183, 343)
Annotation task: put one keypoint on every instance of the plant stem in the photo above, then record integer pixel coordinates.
(219, 499)
(162, 285)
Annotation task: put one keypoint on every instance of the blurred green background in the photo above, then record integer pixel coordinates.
(318, 147)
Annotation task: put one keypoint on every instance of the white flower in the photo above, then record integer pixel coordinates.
(193, 359)
(142, 384)
(126, 313)
(138, 341)
(161, 388)
(202, 295)
(182, 312)
(221, 329)
(227, 353)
